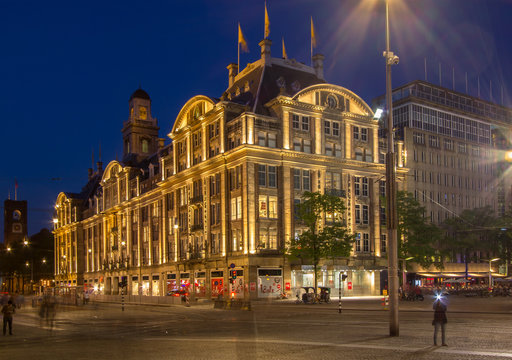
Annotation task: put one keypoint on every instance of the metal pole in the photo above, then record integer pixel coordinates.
(339, 302)
(404, 274)
(391, 197)
(122, 298)
(490, 279)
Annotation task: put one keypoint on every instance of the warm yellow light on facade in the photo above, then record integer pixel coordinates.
(55, 220)
(508, 156)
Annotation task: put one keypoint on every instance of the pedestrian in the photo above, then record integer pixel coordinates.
(439, 321)
(8, 310)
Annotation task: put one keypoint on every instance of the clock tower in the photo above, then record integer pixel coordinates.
(15, 221)
(140, 132)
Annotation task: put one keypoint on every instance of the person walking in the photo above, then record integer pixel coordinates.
(8, 310)
(439, 321)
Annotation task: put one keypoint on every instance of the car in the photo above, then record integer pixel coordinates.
(178, 292)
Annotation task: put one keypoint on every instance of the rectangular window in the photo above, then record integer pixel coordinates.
(233, 209)
(272, 207)
(261, 139)
(307, 146)
(382, 188)
(335, 129)
(337, 150)
(239, 207)
(357, 214)
(364, 134)
(306, 180)
(263, 206)
(365, 186)
(295, 121)
(297, 145)
(328, 149)
(366, 243)
(296, 179)
(262, 175)
(357, 186)
(327, 127)
(355, 132)
(272, 176)
(305, 123)
(365, 214)
(272, 143)
(383, 243)
(358, 242)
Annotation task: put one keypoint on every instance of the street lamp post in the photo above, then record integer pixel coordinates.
(490, 271)
(404, 271)
(392, 223)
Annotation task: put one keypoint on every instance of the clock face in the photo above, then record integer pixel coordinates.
(16, 215)
(16, 228)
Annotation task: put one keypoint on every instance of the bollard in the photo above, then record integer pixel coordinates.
(122, 298)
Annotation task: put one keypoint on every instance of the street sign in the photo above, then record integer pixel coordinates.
(349, 285)
(232, 265)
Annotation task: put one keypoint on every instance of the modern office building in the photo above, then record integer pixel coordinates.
(221, 195)
(456, 147)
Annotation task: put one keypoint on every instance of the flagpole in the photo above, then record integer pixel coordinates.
(238, 47)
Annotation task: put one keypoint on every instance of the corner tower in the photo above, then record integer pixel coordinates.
(140, 132)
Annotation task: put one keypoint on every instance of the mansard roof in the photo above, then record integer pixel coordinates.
(258, 83)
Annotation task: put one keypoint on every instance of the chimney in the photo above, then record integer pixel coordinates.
(318, 65)
(89, 173)
(233, 71)
(99, 165)
(265, 50)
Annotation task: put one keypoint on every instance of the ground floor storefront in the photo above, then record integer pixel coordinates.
(243, 277)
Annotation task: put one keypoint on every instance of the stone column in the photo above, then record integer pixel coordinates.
(318, 135)
(375, 136)
(250, 204)
(348, 142)
(286, 129)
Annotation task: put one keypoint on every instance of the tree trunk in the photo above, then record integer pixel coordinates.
(315, 266)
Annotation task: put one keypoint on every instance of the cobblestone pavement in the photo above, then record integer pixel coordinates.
(477, 329)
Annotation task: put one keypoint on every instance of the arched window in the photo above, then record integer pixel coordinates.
(145, 145)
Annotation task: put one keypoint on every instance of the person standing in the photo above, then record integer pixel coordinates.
(8, 310)
(439, 321)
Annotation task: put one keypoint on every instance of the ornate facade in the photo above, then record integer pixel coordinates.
(221, 195)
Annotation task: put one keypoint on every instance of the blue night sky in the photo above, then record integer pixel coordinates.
(68, 68)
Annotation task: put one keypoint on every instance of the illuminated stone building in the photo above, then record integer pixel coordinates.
(222, 194)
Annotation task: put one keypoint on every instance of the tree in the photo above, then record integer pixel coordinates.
(417, 238)
(473, 230)
(326, 235)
